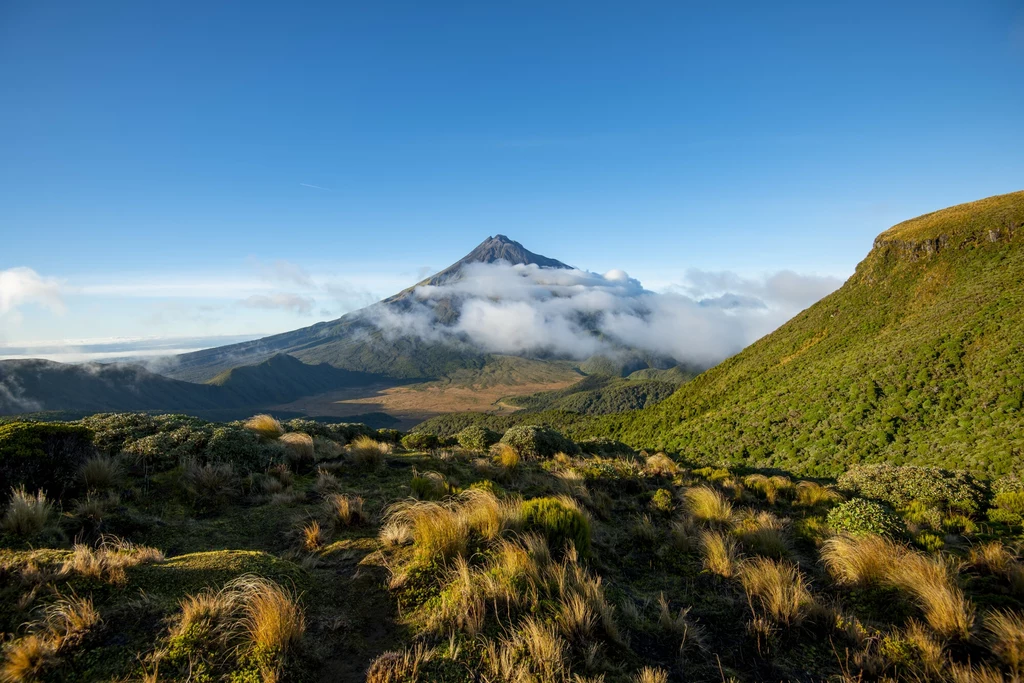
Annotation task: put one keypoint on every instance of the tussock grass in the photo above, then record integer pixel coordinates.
(265, 425)
(964, 673)
(720, 553)
(862, 560)
(312, 536)
(763, 533)
(326, 483)
(709, 506)
(650, 674)
(26, 659)
(27, 514)
(932, 583)
(100, 473)
(930, 650)
(506, 458)
(398, 667)
(683, 535)
(210, 484)
(326, 449)
(299, 450)
(996, 559)
(1005, 631)
(108, 561)
(778, 588)
(660, 464)
(813, 494)
(343, 510)
(369, 453)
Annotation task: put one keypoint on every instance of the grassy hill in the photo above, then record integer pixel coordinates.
(598, 395)
(918, 358)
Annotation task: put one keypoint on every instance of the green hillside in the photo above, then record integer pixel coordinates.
(598, 395)
(918, 358)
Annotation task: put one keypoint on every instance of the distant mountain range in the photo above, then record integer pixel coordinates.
(354, 350)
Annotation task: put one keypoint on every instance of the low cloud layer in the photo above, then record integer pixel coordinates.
(577, 314)
(288, 302)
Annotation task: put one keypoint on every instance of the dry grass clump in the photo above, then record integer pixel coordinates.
(398, 667)
(210, 484)
(964, 673)
(265, 425)
(343, 510)
(506, 458)
(369, 453)
(862, 560)
(1006, 639)
(660, 464)
(27, 514)
(932, 583)
(312, 536)
(778, 588)
(720, 553)
(812, 494)
(65, 623)
(326, 482)
(108, 561)
(707, 505)
(763, 533)
(996, 559)
(251, 618)
(327, 449)
(650, 675)
(100, 473)
(299, 450)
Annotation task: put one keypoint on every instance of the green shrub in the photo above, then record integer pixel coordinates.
(389, 435)
(534, 441)
(604, 447)
(311, 427)
(42, 455)
(560, 520)
(662, 501)
(858, 515)
(899, 485)
(420, 441)
(477, 438)
(243, 448)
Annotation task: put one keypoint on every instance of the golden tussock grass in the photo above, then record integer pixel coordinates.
(707, 505)
(68, 619)
(326, 449)
(27, 514)
(312, 536)
(265, 425)
(100, 473)
(931, 581)
(109, 561)
(811, 494)
(368, 452)
(65, 622)
(344, 510)
(996, 559)
(964, 673)
(720, 553)
(762, 533)
(1005, 632)
(26, 659)
(929, 648)
(650, 675)
(399, 667)
(862, 560)
(326, 483)
(505, 457)
(299, 448)
(778, 588)
(660, 464)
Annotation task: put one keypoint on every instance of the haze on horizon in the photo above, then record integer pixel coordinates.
(180, 177)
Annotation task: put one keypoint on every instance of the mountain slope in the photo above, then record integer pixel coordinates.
(918, 358)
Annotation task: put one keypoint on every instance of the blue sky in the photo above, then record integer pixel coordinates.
(197, 169)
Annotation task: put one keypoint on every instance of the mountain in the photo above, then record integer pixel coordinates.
(918, 358)
(358, 342)
(41, 385)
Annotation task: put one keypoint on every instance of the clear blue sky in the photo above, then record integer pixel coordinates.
(146, 148)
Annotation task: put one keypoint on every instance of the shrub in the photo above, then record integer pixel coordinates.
(898, 485)
(265, 425)
(27, 515)
(477, 438)
(662, 501)
(859, 516)
(608, 448)
(778, 587)
(560, 520)
(1008, 507)
(533, 441)
(42, 455)
(420, 441)
(101, 472)
(243, 449)
(708, 505)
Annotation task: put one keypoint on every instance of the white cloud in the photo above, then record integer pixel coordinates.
(24, 286)
(577, 314)
(289, 302)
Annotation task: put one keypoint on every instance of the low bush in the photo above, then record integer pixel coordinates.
(560, 520)
(533, 441)
(477, 438)
(420, 441)
(662, 501)
(898, 485)
(860, 516)
(42, 455)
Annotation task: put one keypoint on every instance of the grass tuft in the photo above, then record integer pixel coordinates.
(707, 505)
(101, 473)
(778, 588)
(265, 425)
(720, 553)
(27, 514)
